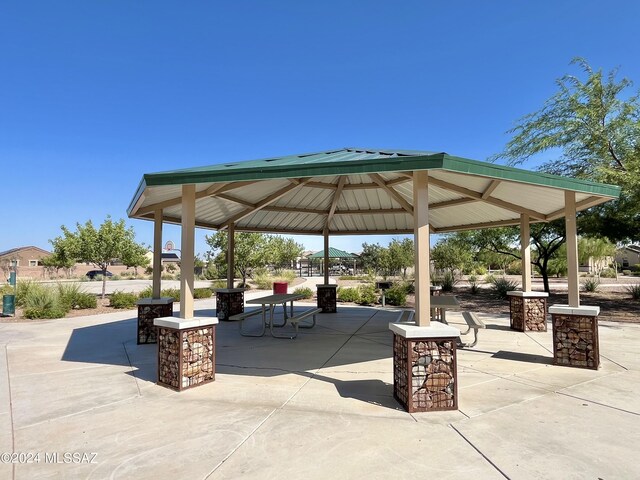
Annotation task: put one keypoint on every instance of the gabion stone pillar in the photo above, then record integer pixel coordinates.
(327, 298)
(229, 301)
(528, 311)
(186, 352)
(575, 336)
(148, 310)
(425, 377)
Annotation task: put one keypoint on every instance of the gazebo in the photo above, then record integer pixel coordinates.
(367, 191)
(332, 253)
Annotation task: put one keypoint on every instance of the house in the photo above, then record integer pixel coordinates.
(628, 256)
(28, 261)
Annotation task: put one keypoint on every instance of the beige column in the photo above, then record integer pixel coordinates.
(187, 246)
(326, 256)
(525, 252)
(157, 252)
(421, 240)
(231, 255)
(572, 248)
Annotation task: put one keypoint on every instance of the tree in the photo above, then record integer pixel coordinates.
(100, 247)
(401, 255)
(451, 254)
(371, 257)
(546, 240)
(56, 261)
(250, 252)
(282, 251)
(596, 249)
(135, 255)
(597, 132)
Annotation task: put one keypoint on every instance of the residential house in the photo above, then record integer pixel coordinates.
(629, 256)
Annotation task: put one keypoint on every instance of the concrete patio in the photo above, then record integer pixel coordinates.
(320, 406)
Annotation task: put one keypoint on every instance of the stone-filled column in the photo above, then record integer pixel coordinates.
(435, 290)
(575, 336)
(528, 311)
(328, 298)
(186, 352)
(148, 310)
(425, 377)
(229, 301)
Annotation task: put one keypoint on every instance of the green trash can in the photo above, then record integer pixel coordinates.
(8, 304)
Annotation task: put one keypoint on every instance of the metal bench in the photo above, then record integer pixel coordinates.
(405, 316)
(241, 317)
(473, 322)
(296, 320)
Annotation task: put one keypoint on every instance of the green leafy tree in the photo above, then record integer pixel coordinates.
(401, 255)
(451, 254)
(134, 256)
(57, 261)
(283, 251)
(371, 257)
(596, 249)
(99, 247)
(596, 127)
(250, 252)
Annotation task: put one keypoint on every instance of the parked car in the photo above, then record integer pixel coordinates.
(93, 273)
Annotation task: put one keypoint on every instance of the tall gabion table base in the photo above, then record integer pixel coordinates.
(148, 310)
(575, 336)
(186, 351)
(425, 377)
(528, 311)
(327, 298)
(229, 301)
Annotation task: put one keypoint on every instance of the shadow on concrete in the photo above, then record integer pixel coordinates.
(523, 357)
(373, 391)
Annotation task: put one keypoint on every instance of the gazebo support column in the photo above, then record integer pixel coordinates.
(425, 375)
(151, 308)
(575, 327)
(327, 293)
(527, 309)
(186, 345)
(230, 300)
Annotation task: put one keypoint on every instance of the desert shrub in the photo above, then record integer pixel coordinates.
(514, 268)
(306, 291)
(474, 284)
(367, 294)
(634, 290)
(86, 300)
(120, 299)
(448, 281)
(348, 294)
(170, 268)
(490, 278)
(199, 293)
(146, 293)
(115, 277)
(263, 281)
(172, 293)
(22, 291)
(409, 287)
(71, 295)
(591, 284)
(626, 272)
(285, 276)
(43, 302)
(608, 273)
(6, 290)
(166, 276)
(396, 295)
(501, 286)
(219, 283)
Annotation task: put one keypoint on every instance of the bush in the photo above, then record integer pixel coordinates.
(22, 291)
(123, 299)
(171, 292)
(199, 293)
(514, 268)
(501, 286)
(396, 295)
(474, 283)
(263, 281)
(626, 272)
(219, 284)
(634, 290)
(71, 296)
(43, 302)
(367, 294)
(448, 281)
(591, 284)
(348, 294)
(166, 276)
(86, 300)
(306, 291)
(410, 288)
(146, 293)
(608, 273)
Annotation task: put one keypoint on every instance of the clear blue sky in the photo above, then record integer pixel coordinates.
(94, 94)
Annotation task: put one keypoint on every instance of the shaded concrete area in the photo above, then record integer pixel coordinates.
(319, 406)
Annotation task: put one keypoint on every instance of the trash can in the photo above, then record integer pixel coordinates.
(280, 287)
(8, 304)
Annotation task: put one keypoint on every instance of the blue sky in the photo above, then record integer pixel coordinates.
(94, 94)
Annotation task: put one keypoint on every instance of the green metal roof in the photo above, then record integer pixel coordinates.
(333, 253)
(359, 190)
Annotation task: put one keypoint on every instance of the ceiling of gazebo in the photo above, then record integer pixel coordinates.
(360, 191)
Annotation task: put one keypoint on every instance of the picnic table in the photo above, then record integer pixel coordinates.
(440, 304)
(270, 302)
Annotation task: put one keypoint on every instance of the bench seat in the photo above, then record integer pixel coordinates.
(296, 320)
(473, 323)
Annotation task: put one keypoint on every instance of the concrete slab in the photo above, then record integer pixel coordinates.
(620, 390)
(557, 437)
(296, 444)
